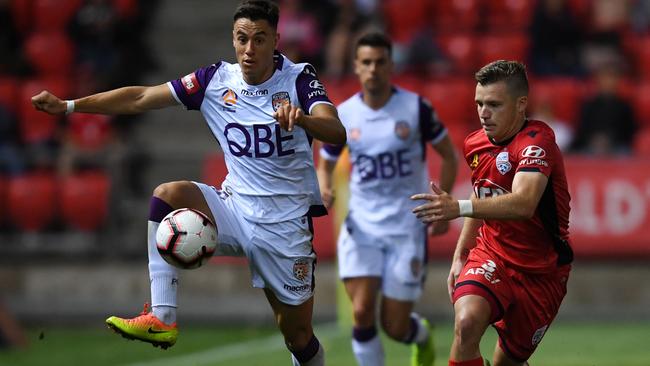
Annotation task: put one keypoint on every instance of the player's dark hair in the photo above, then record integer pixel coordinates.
(512, 72)
(374, 39)
(258, 10)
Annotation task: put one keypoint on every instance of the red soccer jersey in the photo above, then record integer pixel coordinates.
(539, 244)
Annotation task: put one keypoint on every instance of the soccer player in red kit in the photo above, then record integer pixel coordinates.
(512, 260)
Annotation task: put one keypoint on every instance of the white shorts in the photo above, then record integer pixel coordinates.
(400, 260)
(280, 255)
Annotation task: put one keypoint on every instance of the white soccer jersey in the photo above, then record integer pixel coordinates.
(387, 151)
(270, 171)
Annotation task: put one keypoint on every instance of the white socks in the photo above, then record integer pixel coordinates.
(163, 279)
(422, 333)
(370, 352)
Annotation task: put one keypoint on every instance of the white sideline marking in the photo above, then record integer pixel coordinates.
(238, 350)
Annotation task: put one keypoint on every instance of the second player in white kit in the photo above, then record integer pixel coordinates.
(381, 247)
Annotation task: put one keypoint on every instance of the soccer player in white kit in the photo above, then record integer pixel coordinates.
(381, 247)
(264, 112)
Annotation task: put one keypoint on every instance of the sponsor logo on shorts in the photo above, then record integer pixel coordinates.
(538, 335)
(487, 269)
(299, 288)
(301, 269)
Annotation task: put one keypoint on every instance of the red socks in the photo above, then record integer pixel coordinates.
(474, 362)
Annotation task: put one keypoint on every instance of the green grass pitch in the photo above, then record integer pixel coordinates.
(566, 344)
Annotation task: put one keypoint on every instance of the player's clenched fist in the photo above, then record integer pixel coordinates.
(288, 116)
(48, 102)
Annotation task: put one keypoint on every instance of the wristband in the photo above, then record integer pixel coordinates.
(69, 106)
(465, 207)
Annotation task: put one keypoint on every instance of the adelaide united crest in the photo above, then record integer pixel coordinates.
(503, 162)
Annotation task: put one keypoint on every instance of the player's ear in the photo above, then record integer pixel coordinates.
(522, 103)
(277, 39)
(234, 39)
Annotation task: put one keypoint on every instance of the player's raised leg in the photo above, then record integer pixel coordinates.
(366, 343)
(294, 322)
(158, 327)
(403, 325)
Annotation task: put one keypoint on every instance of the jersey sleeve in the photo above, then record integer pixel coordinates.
(537, 152)
(311, 91)
(431, 127)
(190, 89)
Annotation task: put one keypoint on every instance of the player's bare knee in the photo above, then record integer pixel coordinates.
(364, 315)
(297, 340)
(395, 329)
(467, 328)
(174, 193)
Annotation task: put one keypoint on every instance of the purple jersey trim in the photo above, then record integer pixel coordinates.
(192, 99)
(431, 128)
(310, 90)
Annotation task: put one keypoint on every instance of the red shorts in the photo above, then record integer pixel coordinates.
(523, 305)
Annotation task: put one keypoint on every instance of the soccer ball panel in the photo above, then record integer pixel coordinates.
(185, 238)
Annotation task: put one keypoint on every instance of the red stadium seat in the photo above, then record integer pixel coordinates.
(452, 16)
(89, 131)
(50, 53)
(502, 47)
(31, 201)
(53, 15)
(642, 142)
(340, 90)
(85, 200)
(642, 104)
(410, 82)
(214, 169)
(459, 131)
(126, 8)
(453, 100)
(563, 94)
(37, 126)
(8, 95)
(509, 15)
(3, 200)
(21, 13)
(642, 51)
(405, 21)
(461, 49)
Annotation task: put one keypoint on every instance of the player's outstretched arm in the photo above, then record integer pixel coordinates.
(527, 190)
(127, 100)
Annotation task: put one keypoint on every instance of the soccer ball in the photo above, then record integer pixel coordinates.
(186, 238)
